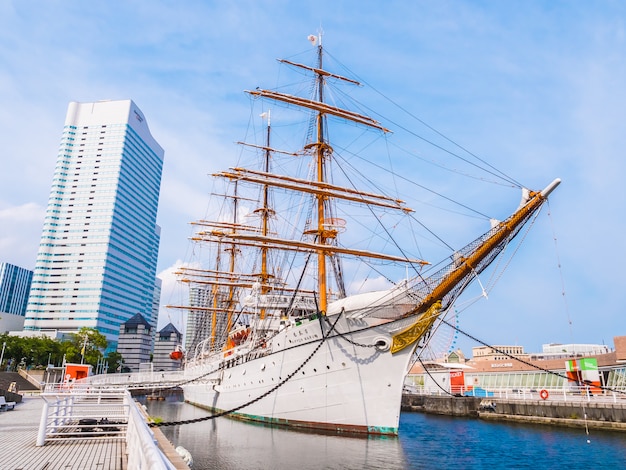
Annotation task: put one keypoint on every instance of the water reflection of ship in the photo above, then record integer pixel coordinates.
(227, 443)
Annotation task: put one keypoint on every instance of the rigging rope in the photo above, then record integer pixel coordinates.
(497, 173)
(558, 260)
(433, 379)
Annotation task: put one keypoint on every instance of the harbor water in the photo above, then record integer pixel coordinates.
(424, 442)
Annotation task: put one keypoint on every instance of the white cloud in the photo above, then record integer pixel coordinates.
(172, 293)
(20, 231)
(370, 284)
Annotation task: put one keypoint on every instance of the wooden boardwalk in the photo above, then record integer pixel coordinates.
(18, 435)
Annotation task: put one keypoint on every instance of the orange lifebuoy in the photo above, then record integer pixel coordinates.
(176, 355)
(544, 394)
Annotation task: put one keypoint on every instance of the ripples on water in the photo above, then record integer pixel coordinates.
(425, 442)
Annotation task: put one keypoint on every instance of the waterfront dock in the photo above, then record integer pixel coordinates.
(20, 433)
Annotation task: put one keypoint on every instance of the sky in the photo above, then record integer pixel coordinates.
(534, 88)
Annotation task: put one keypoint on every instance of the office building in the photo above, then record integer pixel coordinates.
(200, 320)
(96, 265)
(14, 288)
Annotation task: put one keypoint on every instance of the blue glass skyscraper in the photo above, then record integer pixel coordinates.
(96, 265)
(14, 288)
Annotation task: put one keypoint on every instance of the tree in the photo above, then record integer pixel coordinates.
(114, 361)
(40, 351)
(30, 351)
(85, 346)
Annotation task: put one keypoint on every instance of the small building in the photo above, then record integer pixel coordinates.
(498, 353)
(135, 342)
(168, 340)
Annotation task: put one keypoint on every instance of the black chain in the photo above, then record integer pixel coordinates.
(433, 379)
(354, 343)
(260, 397)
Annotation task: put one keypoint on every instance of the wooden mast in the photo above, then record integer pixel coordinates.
(230, 306)
(473, 263)
(321, 178)
(265, 214)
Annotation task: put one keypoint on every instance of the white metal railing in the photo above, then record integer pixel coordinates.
(143, 451)
(566, 394)
(73, 411)
(142, 380)
(81, 412)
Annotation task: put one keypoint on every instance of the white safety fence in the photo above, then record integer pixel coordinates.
(81, 412)
(568, 394)
(143, 451)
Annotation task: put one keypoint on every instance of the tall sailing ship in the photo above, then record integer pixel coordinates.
(288, 342)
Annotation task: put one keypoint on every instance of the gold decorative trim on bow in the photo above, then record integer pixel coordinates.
(413, 333)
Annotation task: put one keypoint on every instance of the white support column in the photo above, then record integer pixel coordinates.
(41, 435)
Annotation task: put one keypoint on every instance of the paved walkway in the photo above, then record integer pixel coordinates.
(18, 435)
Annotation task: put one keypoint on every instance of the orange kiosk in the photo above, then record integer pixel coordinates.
(75, 372)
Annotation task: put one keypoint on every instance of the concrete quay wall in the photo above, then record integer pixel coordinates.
(444, 405)
(598, 415)
(605, 411)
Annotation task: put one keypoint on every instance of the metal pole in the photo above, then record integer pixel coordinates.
(82, 351)
(4, 345)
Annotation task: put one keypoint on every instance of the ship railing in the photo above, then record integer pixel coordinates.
(235, 356)
(78, 412)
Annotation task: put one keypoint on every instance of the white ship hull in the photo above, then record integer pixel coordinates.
(352, 383)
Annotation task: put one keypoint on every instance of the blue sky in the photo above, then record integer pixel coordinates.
(535, 88)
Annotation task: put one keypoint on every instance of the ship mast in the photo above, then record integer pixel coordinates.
(323, 228)
(265, 215)
(322, 150)
(230, 305)
(224, 283)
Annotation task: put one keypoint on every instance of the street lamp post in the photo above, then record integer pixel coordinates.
(82, 351)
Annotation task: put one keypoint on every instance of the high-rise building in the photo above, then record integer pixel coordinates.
(14, 288)
(200, 320)
(96, 265)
